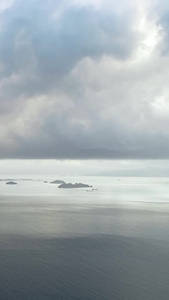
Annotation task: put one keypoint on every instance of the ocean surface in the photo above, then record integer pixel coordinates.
(111, 243)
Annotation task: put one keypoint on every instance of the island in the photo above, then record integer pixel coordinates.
(11, 182)
(73, 186)
(58, 182)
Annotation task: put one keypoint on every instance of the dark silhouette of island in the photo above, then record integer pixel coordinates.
(11, 182)
(58, 182)
(73, 186)
(45, 181)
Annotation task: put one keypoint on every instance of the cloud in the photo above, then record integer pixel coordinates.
(83, 80)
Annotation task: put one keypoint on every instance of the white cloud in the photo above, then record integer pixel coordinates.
(89, 82)
(5, 4)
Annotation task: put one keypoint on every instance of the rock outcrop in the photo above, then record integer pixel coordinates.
(57, 182)
(73, 186)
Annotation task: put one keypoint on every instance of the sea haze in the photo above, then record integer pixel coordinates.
(109, 243)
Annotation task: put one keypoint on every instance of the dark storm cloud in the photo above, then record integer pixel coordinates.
(65, 140)
(41, 41)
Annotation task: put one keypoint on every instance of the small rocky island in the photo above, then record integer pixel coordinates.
(73, 186)
(57, 182)
(11, 182)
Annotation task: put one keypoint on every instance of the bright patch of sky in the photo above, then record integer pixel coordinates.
(62, 168)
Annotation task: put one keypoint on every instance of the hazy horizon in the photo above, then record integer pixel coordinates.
(59, 168)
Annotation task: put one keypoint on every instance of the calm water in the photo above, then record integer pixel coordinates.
(112, 243)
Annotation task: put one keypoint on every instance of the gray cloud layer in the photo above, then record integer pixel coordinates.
(83, 80)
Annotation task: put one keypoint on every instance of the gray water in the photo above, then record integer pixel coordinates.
(112, 243)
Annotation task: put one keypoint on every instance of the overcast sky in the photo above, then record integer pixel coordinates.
(84, 79)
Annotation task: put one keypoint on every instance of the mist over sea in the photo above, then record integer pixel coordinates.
(110, 243)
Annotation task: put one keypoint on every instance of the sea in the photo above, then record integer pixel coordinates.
(109, 242)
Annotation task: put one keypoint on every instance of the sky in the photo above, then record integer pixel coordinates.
(84, 80)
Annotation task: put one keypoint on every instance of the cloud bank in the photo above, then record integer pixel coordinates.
(84, 79)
